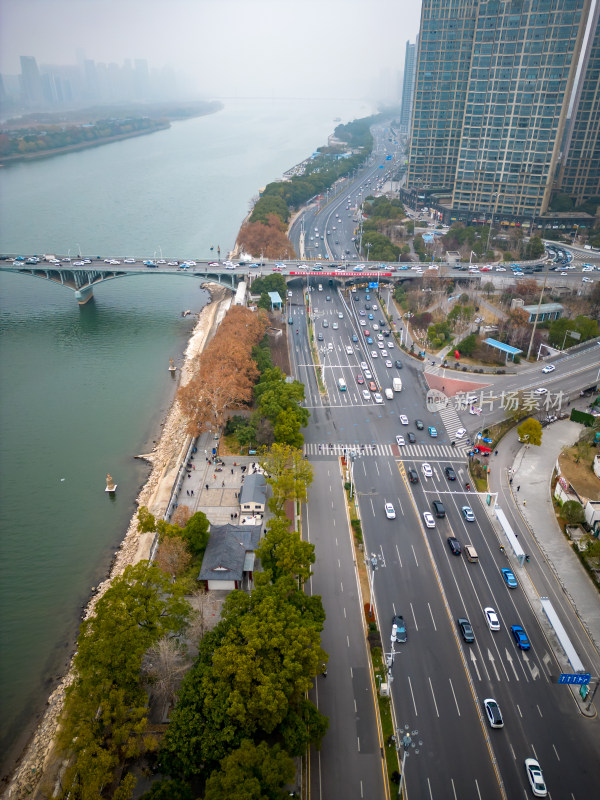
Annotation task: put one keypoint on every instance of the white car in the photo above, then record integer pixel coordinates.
(388, 363)
(500, 269)
(229, 266)
(374, 354)
(403, 419)
(129, 261)
(364, 365)
(362, 322)
(427, 471)
(549, 368)
(340, 315)
(379, 335)
(390, 344)
(349, 349)
(541, 390)
(535, 777)
(400, 441)
(366, 394)
(587, 269)
(367, 374)
(587, 280)
(380, 345)
(390, 511)
(460, 433)
(173, 264)
(378, 398)
(384, 353)
(428, 519)
(491, 618)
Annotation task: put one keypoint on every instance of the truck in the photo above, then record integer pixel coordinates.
(397, 384)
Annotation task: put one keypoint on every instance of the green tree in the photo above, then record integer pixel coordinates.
(530, 431)
(572, 512)
(252, 772)
(195, 534)
(282, 552)
(169, 790)
(468, 345)
(535, 248)
(288, 473)
(264, 301)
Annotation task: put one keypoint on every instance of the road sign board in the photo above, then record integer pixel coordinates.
(573, 677)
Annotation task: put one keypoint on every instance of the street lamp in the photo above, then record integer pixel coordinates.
(368, 246)
(408, 741)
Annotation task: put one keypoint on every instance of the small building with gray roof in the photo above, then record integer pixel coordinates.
(229, 559)
(253, 495)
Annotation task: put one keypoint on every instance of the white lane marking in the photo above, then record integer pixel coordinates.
(477, 786)
(413, 697)
(454, 695)
(414, 554)
(339, 563)
(358, 743)
(398, 554)
(519, 710)
(493, 663)
(512, 750)
(433, 695)
(453, 788)
(474, 662)
(556, 752)
(342, 586)
(414, 617)
(345, 616)
(510, 661)
(539, 711)
(432, 618)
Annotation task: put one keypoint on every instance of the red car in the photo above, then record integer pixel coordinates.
(366, 332)
(360, 379)
(372, 386)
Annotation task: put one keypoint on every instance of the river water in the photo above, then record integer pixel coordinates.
(83, 389)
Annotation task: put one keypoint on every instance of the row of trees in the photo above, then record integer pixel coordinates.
(243, 713)
(35, 140)
(224, 373)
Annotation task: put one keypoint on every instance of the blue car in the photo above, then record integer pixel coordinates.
(509, 578)
(432, 431)
(370, 316)
(369, 340)
(520, 637)
(354, 337)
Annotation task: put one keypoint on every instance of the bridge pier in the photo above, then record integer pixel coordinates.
(83, 295)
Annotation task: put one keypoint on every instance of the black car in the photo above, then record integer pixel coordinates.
(413, 476)
(466, 630)
(399, 366)
(398, 621)
(438, 509)
(411, 437)
(382, 322)
(454, 545)
(419, 424)
(450, 474)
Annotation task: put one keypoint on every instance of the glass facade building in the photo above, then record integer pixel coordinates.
(408, 86)
(494, 78)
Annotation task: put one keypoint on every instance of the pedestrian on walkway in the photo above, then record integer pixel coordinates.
(232, 470)
(524, 502)
(510, 481)
(206, 484)
(192, 492)
(222, 484)
(518, 488)
(214, 477)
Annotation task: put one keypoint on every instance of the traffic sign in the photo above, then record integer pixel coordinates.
(574, 677)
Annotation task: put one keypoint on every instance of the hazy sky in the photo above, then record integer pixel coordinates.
(325, 48)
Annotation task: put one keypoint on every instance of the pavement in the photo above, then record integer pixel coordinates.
(530, 496)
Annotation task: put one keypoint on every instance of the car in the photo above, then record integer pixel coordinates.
(438, 508)
(379, 335)
(361, 313)
(403, 419)
(520, 637)
(378, 398)
(132, 261)
(372, 386)
(426, 469)
(384, 354)
(454, 545)
(419, 424)
(390, 511)
(432, 431)
(388, 363)
(450, 474)
(360, 380)
(381, 345)
(460, 433)
(398, 364)
(535, 777)
(367, 374)
(366, 332)
(400, 441)
(370, 316)
(390, 344)
(509, 578)
(491, 618)
(428, 519)
(466, 630)
(400, 632)
(325, 323)
(374, 354)
(548, 368)
(369, 340)
(411, 437)
(349, 349)
(335, 326)
(468, 514)
(541, 390)
(366, 394)
(586, 280)
(354, 337)
(340, 315)
(320, 336)
(413, 476)
(362, 322)
(492, 710)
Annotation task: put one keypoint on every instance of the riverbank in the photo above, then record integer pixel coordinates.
(35, 773)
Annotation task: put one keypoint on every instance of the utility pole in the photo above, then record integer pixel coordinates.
(537, 314)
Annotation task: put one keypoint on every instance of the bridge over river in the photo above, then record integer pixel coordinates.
(82, 277)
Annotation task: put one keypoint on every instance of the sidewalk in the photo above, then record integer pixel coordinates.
(532, 472)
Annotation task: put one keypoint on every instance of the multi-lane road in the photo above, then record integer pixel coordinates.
(439, 681)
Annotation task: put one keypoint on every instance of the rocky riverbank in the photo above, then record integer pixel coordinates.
(36, 773)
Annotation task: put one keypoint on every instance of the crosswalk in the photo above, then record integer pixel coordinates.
(452, 423)
(424, 451)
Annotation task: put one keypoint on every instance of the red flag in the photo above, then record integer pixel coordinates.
(456, 355)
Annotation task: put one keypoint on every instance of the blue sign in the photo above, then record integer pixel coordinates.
(572, 677)
(373, 284)
(487, 440)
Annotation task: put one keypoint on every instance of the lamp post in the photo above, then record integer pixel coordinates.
(368, 246)
(408, 741)
(494, 209)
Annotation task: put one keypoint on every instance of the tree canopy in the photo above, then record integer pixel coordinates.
(530, 431)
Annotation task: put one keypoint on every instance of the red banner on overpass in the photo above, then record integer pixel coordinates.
(345, 274)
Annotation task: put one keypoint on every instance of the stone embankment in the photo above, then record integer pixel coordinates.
(36, 773)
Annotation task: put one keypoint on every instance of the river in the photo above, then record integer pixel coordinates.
(84, 389)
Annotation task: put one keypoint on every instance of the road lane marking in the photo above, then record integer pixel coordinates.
(556, 752)
(413, 697)
(493, 663)
(519, 710)
(474, 663)
(539, 711)
(433, 695)
(453, 788)
(414, 617)
(358, 743)
(432, 617)
(398, 554)
(477, 787)
(510, 661)
(414, 554)
(454, 695)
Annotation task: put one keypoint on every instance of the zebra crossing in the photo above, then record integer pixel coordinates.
(424, 451)
(452, 423)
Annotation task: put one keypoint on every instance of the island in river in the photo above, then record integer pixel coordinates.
(43, 134)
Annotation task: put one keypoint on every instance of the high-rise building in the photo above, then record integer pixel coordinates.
(580, 173)
(31, 82)
(493, 83)
(408, 86)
